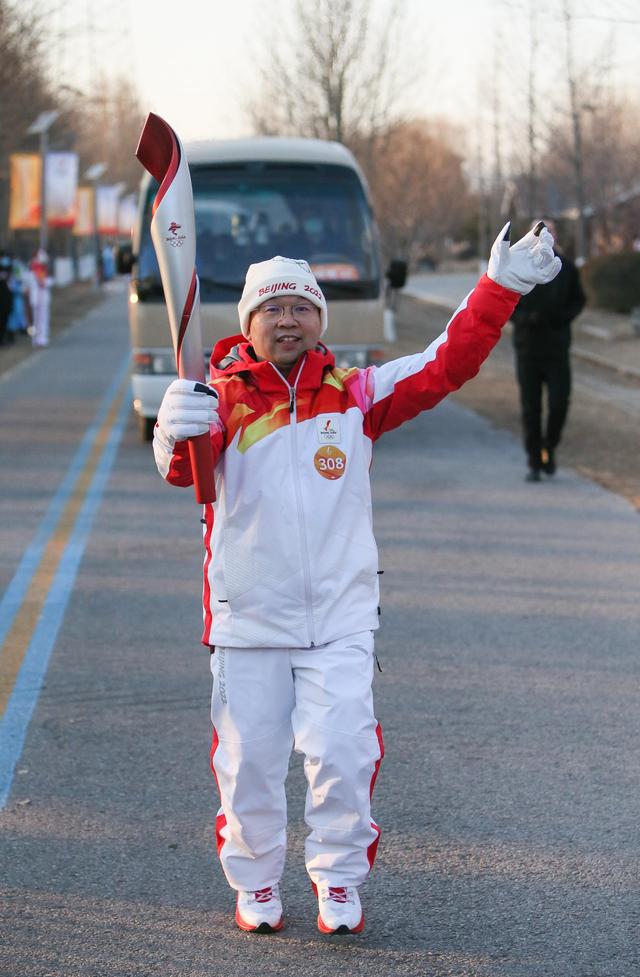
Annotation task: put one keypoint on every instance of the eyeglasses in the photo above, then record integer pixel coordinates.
(272, 312)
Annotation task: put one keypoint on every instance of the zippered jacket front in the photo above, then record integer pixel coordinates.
(290, 556)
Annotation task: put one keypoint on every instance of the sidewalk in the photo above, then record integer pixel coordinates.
(67, 305)
(599, 337)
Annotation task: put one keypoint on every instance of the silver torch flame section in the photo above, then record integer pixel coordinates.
(174, 238)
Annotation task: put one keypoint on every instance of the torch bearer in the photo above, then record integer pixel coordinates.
(173, 234)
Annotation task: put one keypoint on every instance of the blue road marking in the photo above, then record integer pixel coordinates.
(15, 592)
(21, 704)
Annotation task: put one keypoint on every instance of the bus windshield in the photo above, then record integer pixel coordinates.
(250, 211)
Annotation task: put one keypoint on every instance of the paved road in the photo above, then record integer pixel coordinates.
(615, 358)
(601, 435)
(509, 698)
(600, 338)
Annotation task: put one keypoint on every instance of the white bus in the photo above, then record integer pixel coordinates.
(256, 198)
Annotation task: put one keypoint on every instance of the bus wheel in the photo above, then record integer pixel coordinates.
(146, 426)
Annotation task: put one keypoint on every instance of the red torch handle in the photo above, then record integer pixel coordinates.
(202, 468)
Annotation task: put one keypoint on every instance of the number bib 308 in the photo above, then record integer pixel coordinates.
(330, 462)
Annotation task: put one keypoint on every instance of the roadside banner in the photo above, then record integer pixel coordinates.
(61, 176)
(24, 203)
(127, 213)
(84, 212)
(107, 201)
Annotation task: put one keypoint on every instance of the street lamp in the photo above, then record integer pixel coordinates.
(41, 128)
(93, 174)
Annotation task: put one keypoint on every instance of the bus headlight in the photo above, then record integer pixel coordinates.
(148, 362)
(158, 362)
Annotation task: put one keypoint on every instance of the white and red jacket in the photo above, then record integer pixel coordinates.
(291, 560)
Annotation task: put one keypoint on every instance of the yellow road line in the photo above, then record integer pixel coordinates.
(19, 637)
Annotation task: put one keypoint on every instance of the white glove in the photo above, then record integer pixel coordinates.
(528, 263)
(188, 409)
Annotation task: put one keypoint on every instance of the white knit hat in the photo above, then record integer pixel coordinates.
(279, 276)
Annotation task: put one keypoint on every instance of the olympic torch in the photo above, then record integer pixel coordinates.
(173, 234)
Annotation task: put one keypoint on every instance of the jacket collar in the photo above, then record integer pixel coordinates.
(235, 356)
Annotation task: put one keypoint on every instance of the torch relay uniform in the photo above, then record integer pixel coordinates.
(291, 585)
(40, 283)
(291, 574)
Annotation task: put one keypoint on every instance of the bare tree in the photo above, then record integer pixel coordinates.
(483, 216)
(420, 191)
(106, 122)
(23, 85)
(532, 115)
(340, 75)
(498, 201)
(22, 74)
(610, 141)
(336, 75)
(575, 108)
(569, 139)
(526, 144)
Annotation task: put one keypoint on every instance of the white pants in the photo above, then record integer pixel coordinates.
(319, 701)
(41, 315)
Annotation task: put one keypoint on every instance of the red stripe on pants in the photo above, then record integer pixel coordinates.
(373, 847)
(372, 850)
(379, 760)
(206, 588)
(221, 820)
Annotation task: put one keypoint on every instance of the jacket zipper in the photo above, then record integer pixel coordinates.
(298, 493)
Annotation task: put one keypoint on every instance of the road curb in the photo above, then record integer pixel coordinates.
(588, 357)
(576, 351)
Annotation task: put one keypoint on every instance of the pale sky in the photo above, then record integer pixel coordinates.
(193, 60)
(208, 90)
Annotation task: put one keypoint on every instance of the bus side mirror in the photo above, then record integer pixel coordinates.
(124, 259)
(396, 273)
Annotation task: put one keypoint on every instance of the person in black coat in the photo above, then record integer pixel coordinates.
(541, 338)
(6, 298)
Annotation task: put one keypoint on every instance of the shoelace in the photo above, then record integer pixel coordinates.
(264, 895)
(338, 893)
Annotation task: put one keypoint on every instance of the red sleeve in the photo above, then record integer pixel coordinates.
(405, 387)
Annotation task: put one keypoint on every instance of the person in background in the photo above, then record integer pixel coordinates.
(542, 339)
(18, 321)
(6, 299)
(108, 263)
(40, 283)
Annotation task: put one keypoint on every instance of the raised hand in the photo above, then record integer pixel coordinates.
(527, 263)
